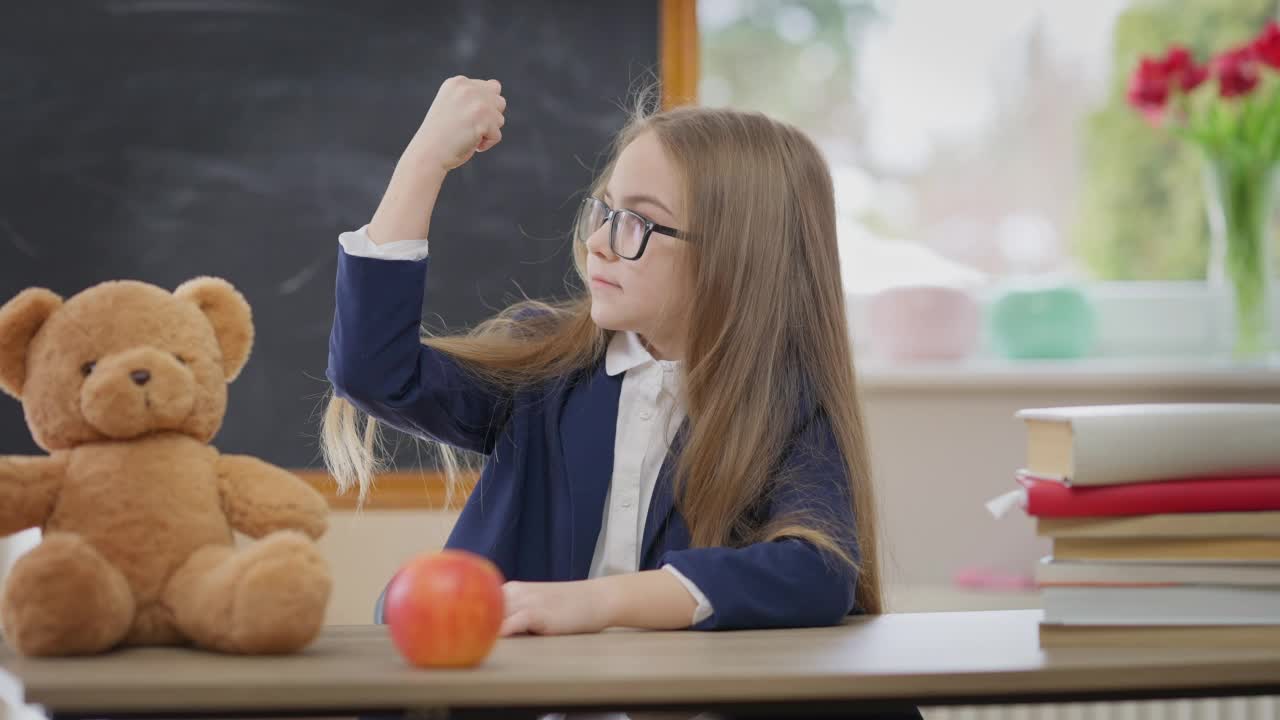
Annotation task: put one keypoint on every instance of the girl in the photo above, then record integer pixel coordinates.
(679, 447)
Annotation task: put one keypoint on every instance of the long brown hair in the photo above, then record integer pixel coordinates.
(768, 345)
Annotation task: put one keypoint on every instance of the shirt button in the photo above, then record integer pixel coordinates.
(626, 503)
(645, 414)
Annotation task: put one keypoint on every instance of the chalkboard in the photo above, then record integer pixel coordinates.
(164, 139)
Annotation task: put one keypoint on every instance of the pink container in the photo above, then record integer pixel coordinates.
(923, 322)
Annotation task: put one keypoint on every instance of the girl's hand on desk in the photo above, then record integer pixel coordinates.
(653, 600)
(553, 608)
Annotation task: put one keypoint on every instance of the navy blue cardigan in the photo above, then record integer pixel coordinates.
(537, 509)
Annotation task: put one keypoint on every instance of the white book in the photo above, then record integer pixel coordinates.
(1184, 605)
(1116, 444)
(1058, 572)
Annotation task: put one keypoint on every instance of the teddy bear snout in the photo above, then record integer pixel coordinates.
(138, 391)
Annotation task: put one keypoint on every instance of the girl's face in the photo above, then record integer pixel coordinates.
(649, 295)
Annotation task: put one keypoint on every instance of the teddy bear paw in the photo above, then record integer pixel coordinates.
(64, 598)
(281, 595)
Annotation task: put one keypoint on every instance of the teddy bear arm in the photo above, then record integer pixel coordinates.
(261, 498)
(28, 490)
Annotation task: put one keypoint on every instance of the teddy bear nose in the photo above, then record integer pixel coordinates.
(140, 377)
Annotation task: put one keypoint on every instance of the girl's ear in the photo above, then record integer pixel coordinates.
(229, 314)
(20, 319)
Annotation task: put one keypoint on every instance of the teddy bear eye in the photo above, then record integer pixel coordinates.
(87, 368)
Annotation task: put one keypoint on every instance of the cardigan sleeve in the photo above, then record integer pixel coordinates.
(787, 582)
(377, 361)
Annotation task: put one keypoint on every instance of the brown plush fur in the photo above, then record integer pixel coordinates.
(125, 385)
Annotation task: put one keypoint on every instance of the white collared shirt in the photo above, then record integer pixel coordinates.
(650, 410)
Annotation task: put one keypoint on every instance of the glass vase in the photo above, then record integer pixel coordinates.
(1240, 199)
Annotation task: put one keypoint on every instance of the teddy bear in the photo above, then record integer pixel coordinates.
(124, 385)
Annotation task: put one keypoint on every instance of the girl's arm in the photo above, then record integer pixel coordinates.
(787, 582)
(784, 583)
(376, 360)
(378, 363)
(466, 117)
(652, 600)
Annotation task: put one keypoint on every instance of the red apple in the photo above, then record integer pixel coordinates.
(445, 609)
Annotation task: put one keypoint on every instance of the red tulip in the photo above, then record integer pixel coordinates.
(1180, 66)
(1156, 78)
(1237, 72)
(1267, 45)
(1149, 88)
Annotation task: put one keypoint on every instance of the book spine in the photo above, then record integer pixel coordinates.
(1046, 498)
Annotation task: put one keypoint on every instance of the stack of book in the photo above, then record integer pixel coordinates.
(1165, 522)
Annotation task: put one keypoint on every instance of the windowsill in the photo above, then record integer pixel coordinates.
(1085, 373)
(1149, 335)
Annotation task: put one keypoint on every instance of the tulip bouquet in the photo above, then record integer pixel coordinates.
(1229, 107)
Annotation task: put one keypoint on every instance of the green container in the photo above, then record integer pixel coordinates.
(1042, 323)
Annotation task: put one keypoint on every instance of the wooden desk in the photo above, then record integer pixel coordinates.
(926, 658)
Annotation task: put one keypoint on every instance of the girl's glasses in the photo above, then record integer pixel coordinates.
(629, 231)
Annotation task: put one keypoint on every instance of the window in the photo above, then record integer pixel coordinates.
(981, 139)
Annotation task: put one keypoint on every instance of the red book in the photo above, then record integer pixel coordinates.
(1051, 498)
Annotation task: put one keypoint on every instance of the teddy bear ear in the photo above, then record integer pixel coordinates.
(20, 319)
(230, 315)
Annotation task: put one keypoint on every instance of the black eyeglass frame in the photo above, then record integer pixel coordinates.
(610, 216)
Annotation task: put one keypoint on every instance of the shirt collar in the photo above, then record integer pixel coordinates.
(626, 352)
